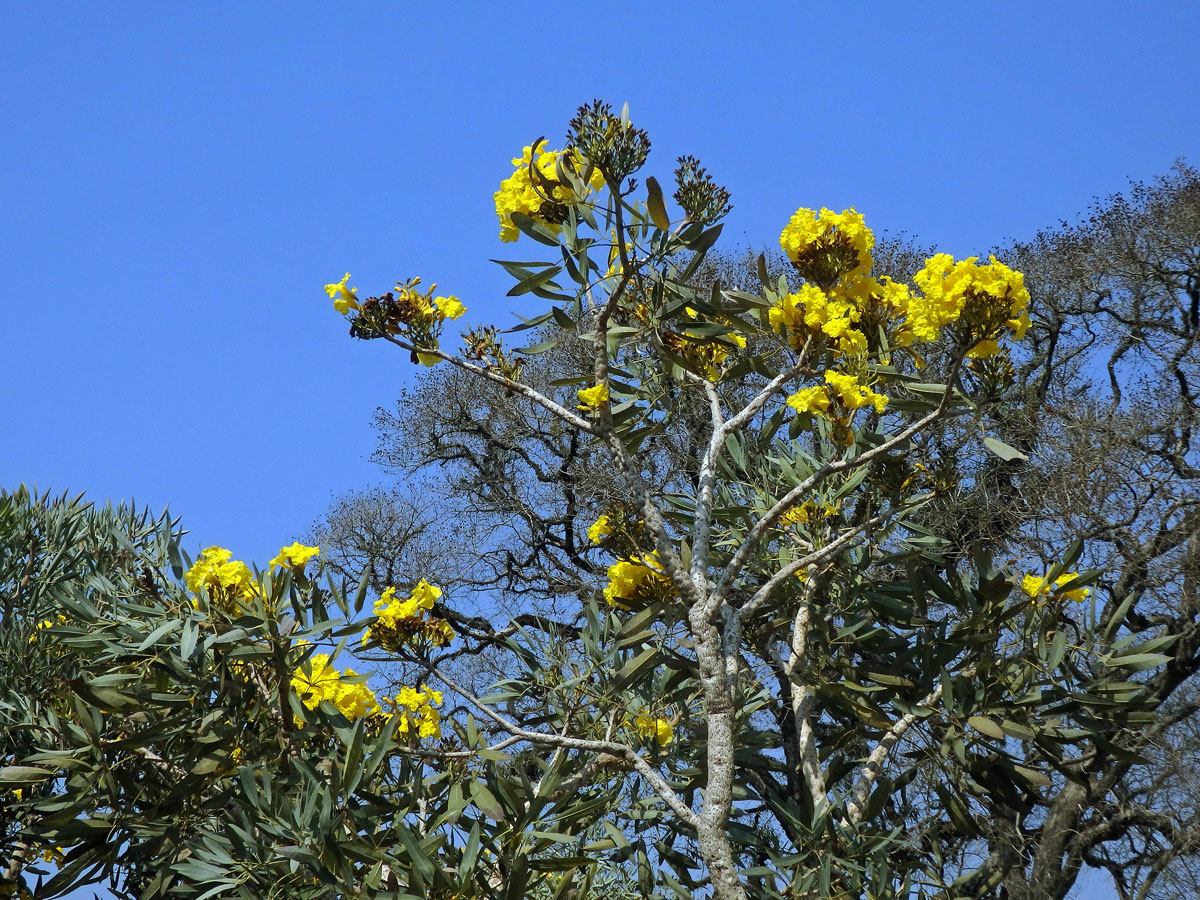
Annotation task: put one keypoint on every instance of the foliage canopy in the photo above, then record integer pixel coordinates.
(777, 651)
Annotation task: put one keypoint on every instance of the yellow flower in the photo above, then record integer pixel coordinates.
(987, 299)
(593, 397)
(419, 708)
(806, 512)
(449, 307)
(402, 620)
(296, 556)
(343, 297)
(317, 680)
(629, 579)
(426, 594)
(599, 530)
(852, 394)
(810, 400)
(655, 729)
(1037, 587)
(390, 608)
(828, 244)
(520, 192)
(811, 310)
(229, 582)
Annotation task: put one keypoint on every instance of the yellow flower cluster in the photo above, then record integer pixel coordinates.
(317, 680)
(418, 710)
(344, 298)
(544, 198)
(425, 304)
(294, 556)
(810, 308)
(842, 236)
(592, 398)
(652, 728)
(599, 530)
(638, 578)
(839, 315)
(814, 400)
(229, 582)
(843, 306)
(402, 621)
(853, 394)
(1037, 588)
(418, 315)
(987, 298)
(806, 512)
(848, 390)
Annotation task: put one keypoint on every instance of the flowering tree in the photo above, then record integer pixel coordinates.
(771, 680)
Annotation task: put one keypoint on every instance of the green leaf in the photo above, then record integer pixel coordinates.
(1004, 451)
(486, 801)
(1139, 661)
(1016, 730)
(542, 347)
(536, 280)
(1058, 649)
(25, 774)
(986, 726)
(1033, 776)
(630, 673)
(1118, 616)
(706, 239)
(535, 229)
(656, 206)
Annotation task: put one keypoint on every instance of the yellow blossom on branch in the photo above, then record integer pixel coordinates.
(295, 556)
(404, 621)
(810, 400)
(652, 728)
(316, 680)
(636, 578)
(541, 196)
(806, 512)
(229, 582)
(811, 310)
(599, 530)
(984, 300)
(418, 711)
(852, 394)
(593, 398)
(1037, 587)
(343, 297)
(826, 246)
(449, 307)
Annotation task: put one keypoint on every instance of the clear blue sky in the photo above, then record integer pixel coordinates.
(179, 180)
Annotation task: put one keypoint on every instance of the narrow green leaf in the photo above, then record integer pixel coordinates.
(986, 726)
(1139, 661)
(1004, 451)
(536, 280)
(25, 774)
(706, 239)
(656, 205)
(535, 229)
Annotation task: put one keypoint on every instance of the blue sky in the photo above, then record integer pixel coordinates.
(180, 180)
